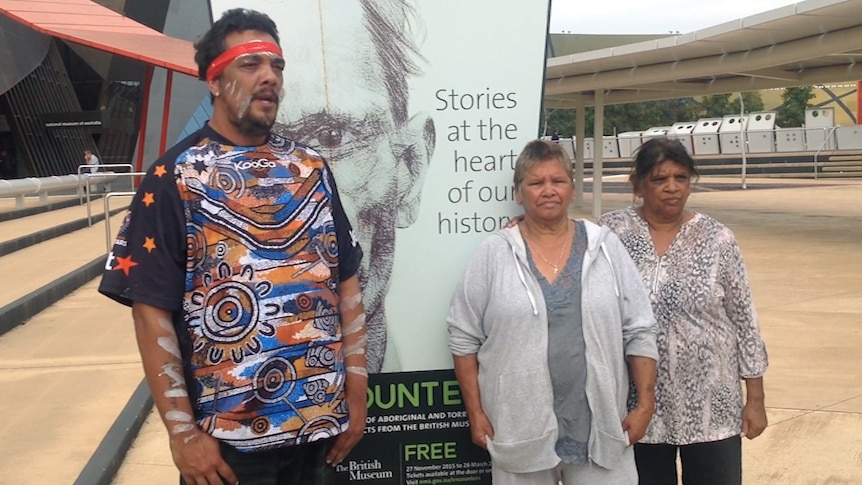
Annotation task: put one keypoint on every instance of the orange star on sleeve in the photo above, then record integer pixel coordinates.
(148, 199)
(160, 170)
(149, 244)
(125, 264)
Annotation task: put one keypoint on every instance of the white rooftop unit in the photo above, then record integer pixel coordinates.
(849, 137)
(789, 139)
(610, 149)
(588, 147)
(730, 133)
(629, 142)
(704, 137)
(655, 132)
(568, 145)
(761, 132)
(682, 132)
(819, 132)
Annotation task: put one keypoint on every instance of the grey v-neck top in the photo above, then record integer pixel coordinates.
(566, 352)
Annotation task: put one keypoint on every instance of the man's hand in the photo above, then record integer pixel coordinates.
(348, 439)
(199, 459)
(514, 221)
(480, 429)
(753, 419)
(636, 423)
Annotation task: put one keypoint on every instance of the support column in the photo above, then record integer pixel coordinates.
(580, 129)
(858, 102)
(166, 111)
(142, 127)
(598, 148)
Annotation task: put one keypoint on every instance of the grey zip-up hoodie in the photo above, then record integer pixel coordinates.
(498, 313)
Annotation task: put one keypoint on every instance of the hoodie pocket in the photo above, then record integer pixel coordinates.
(610, 447)
(525, 427)
(523, 406)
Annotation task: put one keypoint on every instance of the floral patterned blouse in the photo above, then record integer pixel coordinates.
(708, 336)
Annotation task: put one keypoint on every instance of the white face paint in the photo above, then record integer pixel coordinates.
(167, 326)
(353, 369)
(356, 348)
(170, 345)
(357, 325)
(182, 428)
(350, 302)
(178, 382)
(178, 416)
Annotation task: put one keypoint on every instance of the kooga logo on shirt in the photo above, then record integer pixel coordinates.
(259, 163)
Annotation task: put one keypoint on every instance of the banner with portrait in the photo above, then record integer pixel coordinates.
(421, 108)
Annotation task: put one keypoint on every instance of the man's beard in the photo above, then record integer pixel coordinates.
(250, 125)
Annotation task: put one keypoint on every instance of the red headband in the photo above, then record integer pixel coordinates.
(253, 47)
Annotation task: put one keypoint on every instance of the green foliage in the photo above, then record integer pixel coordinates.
(620, 118)
(791, 113)
(752, 101)
(718, 105)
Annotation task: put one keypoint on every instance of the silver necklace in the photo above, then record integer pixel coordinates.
(559, 256)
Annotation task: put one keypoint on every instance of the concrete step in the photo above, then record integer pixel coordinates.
(845, 168)
(16, 228)
(64, 378)
(37, 266)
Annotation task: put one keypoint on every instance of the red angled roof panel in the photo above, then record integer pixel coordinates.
(88, 23)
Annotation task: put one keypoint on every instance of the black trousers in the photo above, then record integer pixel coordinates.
(711, 463)
(293, 465)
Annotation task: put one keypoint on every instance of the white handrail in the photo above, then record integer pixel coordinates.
(829, 132)
(97, 166)
(106, 201)
(97, 176)
(18, 188)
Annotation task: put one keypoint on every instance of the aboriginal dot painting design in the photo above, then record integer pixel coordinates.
(260, 301)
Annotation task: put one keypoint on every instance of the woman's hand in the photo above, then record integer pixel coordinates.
(514, 221)
(480, 428)
(754, 413)
(753, 418)
(636, 422)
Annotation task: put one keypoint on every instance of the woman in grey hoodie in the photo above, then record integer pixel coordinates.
(549, 323)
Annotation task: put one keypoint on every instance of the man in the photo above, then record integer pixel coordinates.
(241, 269)
(91, 159)
(350, 99)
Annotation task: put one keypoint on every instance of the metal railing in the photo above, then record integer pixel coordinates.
(107, 205)
(19, 188)
(826, 140)
(97, 176)
(85, 166)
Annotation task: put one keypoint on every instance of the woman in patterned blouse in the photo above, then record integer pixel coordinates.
(708, 336)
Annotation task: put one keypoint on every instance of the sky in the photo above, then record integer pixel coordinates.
(651, 16)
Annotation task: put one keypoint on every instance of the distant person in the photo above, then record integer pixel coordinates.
(555, 136)
(547, 326)
(241, 269)
(90, 158)
(708, 336)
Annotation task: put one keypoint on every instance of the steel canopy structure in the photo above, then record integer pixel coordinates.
(810, 42)
(87, 23)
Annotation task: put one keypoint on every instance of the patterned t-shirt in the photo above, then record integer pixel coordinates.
(245, 246)
(708, 336)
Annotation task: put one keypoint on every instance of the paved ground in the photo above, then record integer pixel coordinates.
(803, 247)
